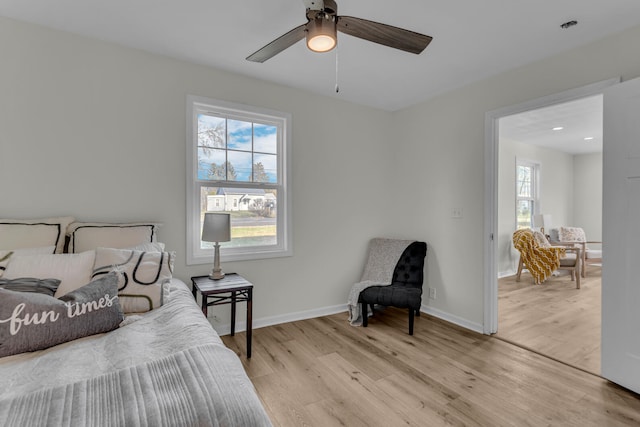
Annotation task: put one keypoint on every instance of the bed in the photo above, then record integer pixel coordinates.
(160, 366)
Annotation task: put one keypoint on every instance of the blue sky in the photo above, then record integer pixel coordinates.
(241, 138)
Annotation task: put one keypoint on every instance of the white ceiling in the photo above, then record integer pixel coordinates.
(578, 119)
(472, 39)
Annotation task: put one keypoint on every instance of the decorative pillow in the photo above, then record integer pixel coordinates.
(572, 234)
(29, 284)
(84, 236)
(73, 270)
(31, 321)
(5, 256)
(145, 275)
(541, 240)
(34, 233)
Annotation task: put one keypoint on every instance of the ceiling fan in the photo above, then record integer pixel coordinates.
(321, 29)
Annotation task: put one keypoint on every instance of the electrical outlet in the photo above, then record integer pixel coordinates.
(456, 212)
(432, 293)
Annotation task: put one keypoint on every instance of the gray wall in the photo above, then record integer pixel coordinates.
(587, 202)
(98, 131)
(570, 191)
(441, 162)
(556, 188)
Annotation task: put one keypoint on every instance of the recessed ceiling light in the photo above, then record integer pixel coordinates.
(558, 128)
(589, 138)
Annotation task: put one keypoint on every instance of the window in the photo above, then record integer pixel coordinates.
(237, 162)
(526, 193)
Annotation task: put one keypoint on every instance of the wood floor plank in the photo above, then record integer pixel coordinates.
(281, 402)
(423, 403)
(324, 372)
(332, 412)
(363, 392)
(554, 318)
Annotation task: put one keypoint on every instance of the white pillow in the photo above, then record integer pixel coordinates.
(149, 247)
(5, 256)
(73, 270)
(145, 275)
(34, 233)
(84, 236)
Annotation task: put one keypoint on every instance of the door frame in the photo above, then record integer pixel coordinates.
(491, 150)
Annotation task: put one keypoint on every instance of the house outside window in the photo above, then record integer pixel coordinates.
(238, 163)
(526, 193)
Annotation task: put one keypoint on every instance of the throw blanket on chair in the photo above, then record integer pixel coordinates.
(384, 255)
(540, 258)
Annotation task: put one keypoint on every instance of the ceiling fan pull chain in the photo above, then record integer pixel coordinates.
(337, 87)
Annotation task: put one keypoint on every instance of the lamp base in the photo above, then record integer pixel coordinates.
(216, 275)
(216, 271)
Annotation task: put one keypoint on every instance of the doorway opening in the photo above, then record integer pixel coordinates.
(549, 318)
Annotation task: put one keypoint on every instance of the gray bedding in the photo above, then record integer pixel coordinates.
(166, 368)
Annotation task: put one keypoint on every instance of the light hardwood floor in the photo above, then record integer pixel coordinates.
(324, 372)
(554, 318)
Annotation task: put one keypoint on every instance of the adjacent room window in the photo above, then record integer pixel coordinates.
(237, 162)
(526, 193)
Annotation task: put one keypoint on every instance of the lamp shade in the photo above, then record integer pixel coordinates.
(542, 221)
(216, 227)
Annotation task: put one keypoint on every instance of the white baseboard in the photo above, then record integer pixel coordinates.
(225, 329)
(448, 317)
(507, 273)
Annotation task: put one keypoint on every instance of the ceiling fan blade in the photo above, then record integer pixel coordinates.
(384, 34)
(278, 45)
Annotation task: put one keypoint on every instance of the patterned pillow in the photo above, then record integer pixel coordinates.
(145, 276)
(32, 321)
(29, 284)
(572, 234)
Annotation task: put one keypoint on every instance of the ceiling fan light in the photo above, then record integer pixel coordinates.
(321, 34)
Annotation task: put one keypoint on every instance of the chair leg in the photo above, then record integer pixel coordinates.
(418, 313)
(578, 280)
(365, 318)
(411, 313)
(519, 269)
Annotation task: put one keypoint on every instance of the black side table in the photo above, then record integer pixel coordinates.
(228, 290)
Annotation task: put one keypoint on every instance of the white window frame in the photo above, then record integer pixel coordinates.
(284, 246)
(535, 188)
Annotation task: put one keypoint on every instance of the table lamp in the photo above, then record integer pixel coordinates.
(216, 228)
